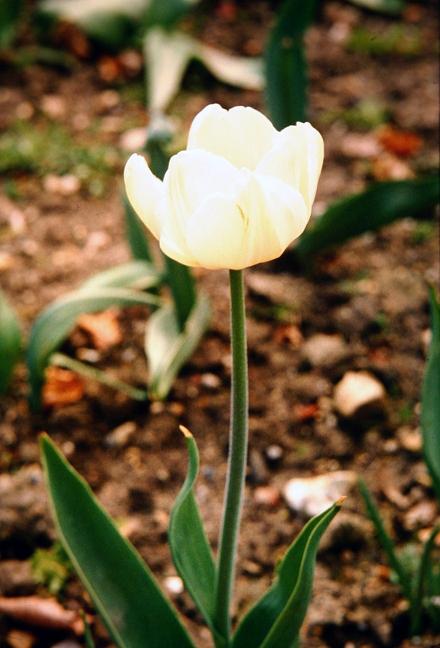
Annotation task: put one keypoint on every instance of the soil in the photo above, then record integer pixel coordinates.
(371, 293)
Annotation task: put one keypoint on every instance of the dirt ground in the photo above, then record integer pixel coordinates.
(370, 294)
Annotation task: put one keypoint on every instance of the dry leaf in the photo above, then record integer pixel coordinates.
(46, 613)
(103, 328)
(62, 387)
(306, 412)
(401, 143)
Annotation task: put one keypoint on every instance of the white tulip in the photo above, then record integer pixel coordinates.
(239, 194)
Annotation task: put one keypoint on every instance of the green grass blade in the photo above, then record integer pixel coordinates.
(390, 7)
(385, 540)
(421, 581)
(10, 342)
(124, 591)
(167, 348)
(430, 418)
(285, 62)
(279, 614)
(189, 546)
(379, 205)
(55, 323)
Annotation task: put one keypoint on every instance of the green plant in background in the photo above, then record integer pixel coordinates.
(418, 573)
(10, 342)
(221, 215)
(51, 568)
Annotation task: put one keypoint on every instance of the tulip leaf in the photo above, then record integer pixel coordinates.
(10, 342)
(168, 348)
(137, 274)
(167, 55)
(56, 322)
(392, 7)
(379, 205)
(124, 591)
(430, 417)
(189, 546)
(10, 15)
(422, 581)
(275, 620)
(286, 65)
(167, 14)
(136, 234)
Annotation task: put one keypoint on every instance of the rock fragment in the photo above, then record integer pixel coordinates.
(312, 495)
(323, 350)
(358, 390)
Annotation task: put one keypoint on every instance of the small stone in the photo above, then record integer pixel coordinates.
(210, 381)
(274, 454)
(108, 99)
(133, 139)
(174, 585)
(20, 639)
(66, 185)
(312, 495)
(421, 515)
(409, 439)
(267, 496)
(251, 568)
(54, 106)
(323, 350)
(121, 435)
(358, 391)
(257, 470)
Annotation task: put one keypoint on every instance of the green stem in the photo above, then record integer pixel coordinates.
(236, 461)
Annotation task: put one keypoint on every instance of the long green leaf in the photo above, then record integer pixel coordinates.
(55, 323)
(138, 274)
(10, 15)
(379, 205)
(286, 66)
(391, 7)
(168, 348)
(430, 418)
(189, 546)
(385, 540)
(123, 589)
(136, 234)
(276, 618)
(10, 342)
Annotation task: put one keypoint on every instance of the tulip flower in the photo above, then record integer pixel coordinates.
(238, 195)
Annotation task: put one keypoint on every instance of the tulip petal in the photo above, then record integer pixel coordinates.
(240, 135)
(254, 226)
(277, 214)
(144, 191)
(296, 158)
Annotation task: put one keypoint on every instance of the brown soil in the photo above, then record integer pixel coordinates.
(371, 292)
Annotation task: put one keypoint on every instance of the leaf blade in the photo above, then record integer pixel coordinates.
(430, 417)
(379, 205)
(10, 342)
(55, 323)
(287, 591)
(167, 348)
(121, 586)
(189, 546)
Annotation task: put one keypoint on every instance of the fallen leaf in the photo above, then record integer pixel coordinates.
(110, 69)
(401, 143)
(62, 387)
(42, 612)
(306, 412)
(288, 334)
(103, 328)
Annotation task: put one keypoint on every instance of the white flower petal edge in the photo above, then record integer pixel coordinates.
(241, 135)
(296, 158)
(144, 191)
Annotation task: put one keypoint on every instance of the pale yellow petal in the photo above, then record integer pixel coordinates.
(216, 234)
(240, 135)
(144, 191)
(296, 158)
(275, 213)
